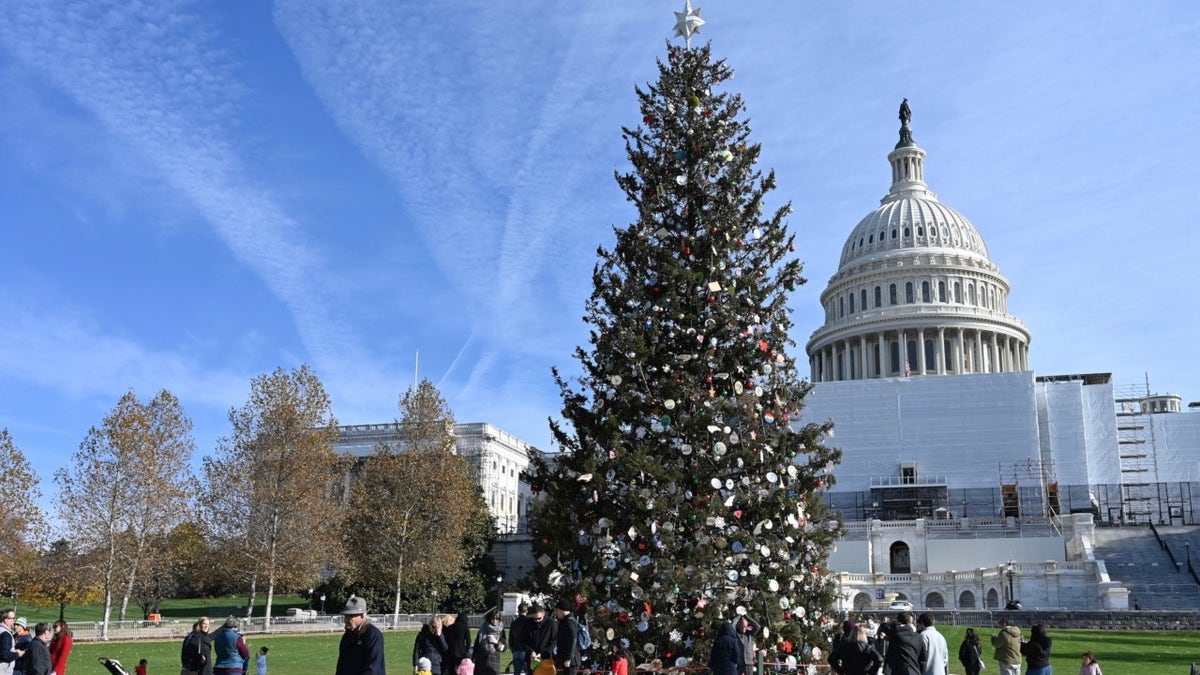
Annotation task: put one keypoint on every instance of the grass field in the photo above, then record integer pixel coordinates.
(1120, 653)
(171, 609)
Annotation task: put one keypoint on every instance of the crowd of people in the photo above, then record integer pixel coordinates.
(41, 651)
(221, 652)
(904, 646)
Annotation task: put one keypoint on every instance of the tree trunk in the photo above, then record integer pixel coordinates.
(62, 611)
(253, 594)
(399, 577)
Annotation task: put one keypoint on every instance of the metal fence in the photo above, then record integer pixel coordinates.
(177, 629)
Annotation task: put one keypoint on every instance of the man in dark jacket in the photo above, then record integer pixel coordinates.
(726, 656)
(516, 641)
(196, 654)
(566, 651)
(361, 649)
(906, 653)
(38, 655)
(541, 632)
(745, 630)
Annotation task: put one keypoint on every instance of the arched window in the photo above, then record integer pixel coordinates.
(907, 232)
(871, 239)
(894, 232)
(908, 292)
(899, 558)
(920, 231)
(925, 297)
(863, 602)
(841, 307)
(892, 294)
(966, 600)
(930, 364)
(862, 296)
(971, 294)
(946, 359)
(895, 357)
(958, 292)
(934, 601)
(851, 302)
(910, 353)
(878, 296)
(941, 291)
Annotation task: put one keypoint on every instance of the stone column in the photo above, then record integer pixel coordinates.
(862, 357)
(921, 351)
(939, 354)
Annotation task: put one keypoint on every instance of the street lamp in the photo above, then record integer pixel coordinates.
(499, 597)
(310, 597)
(322, 603)
(1009, 571)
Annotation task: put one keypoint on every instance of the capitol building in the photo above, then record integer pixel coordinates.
(967, 480)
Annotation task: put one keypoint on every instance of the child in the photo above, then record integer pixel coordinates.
(141, 668)
(620, 660)
(466, 667)
(545, 666)
(1090, 665)
(424, 666)
(260, 661)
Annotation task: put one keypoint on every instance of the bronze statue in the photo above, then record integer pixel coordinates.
(905, 112)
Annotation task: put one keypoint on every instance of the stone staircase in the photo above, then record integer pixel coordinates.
(1133, 557)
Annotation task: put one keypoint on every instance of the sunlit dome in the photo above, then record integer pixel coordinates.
(915, 292)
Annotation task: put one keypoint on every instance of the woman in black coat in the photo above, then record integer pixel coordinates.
(430, 644)
(458, 644)
(489, 643)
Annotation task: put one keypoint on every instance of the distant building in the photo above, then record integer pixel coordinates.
(497, 457)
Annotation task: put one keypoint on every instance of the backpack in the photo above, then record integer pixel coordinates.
(582, 637)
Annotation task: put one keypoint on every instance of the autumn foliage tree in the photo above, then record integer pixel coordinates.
(22, 520)
(126, 485)
(412, 504)
(270, 489)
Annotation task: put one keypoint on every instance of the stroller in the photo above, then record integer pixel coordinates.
(114, 666)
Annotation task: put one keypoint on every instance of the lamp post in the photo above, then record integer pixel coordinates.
(499, 596)
(1009, 571)
(310, 598)
(322, 603)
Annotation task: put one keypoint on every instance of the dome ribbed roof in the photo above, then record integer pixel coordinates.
(909, 221)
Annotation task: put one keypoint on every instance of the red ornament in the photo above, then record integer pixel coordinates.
(738, 514)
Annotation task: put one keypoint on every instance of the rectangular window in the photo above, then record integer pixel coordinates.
(941, 291)
(892, 294)
(878, 296)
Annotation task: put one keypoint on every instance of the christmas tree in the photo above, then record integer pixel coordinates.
(686, 492)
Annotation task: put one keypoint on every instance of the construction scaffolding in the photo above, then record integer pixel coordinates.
(1029, 488)
(1138, 454)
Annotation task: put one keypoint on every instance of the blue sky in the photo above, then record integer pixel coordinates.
(196, 193)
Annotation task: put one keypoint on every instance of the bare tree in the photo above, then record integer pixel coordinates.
(411, 504)
(125, 486)
(273, 481)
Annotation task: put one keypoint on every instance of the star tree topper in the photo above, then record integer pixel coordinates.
(688, 22)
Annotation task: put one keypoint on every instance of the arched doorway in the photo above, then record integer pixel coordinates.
(966, 600)
(862, 602)
(935, 601)
(899, 559)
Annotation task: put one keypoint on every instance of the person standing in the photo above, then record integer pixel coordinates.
(260, 661)
(541, 632)
(906, 653)
(21, 639)
(60, 647)
(726, 656)
(37, 658)
(489, 644)
(361, 650)
(566, 651)
(1008, 648)
(458, 643)
(745, 630)
(516, 641)
(8, 655)
(196, 654)
(1037, 651)
(854, 655)
(232, 652)
(430, 644)
(937, 652)
(970, 652)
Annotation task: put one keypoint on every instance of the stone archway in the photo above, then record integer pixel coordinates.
(935, 601)
(899, 558)
(993, 599)
(862, 602)
(966, 600)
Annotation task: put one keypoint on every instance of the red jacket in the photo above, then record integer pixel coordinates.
(60, 649)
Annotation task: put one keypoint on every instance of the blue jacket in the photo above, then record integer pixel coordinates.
(232, 651)
(726, 655)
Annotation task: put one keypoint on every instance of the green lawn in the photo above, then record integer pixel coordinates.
(171, 609)
(1120, 653)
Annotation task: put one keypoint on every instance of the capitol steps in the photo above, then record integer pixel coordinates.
(1133, 557)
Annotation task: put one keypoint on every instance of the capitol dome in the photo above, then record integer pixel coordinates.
(915, 292)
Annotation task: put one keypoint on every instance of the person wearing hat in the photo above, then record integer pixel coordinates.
(566, 652)
(21, 639)
(361, 649)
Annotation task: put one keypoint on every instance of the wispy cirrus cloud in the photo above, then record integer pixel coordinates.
(154, 77)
